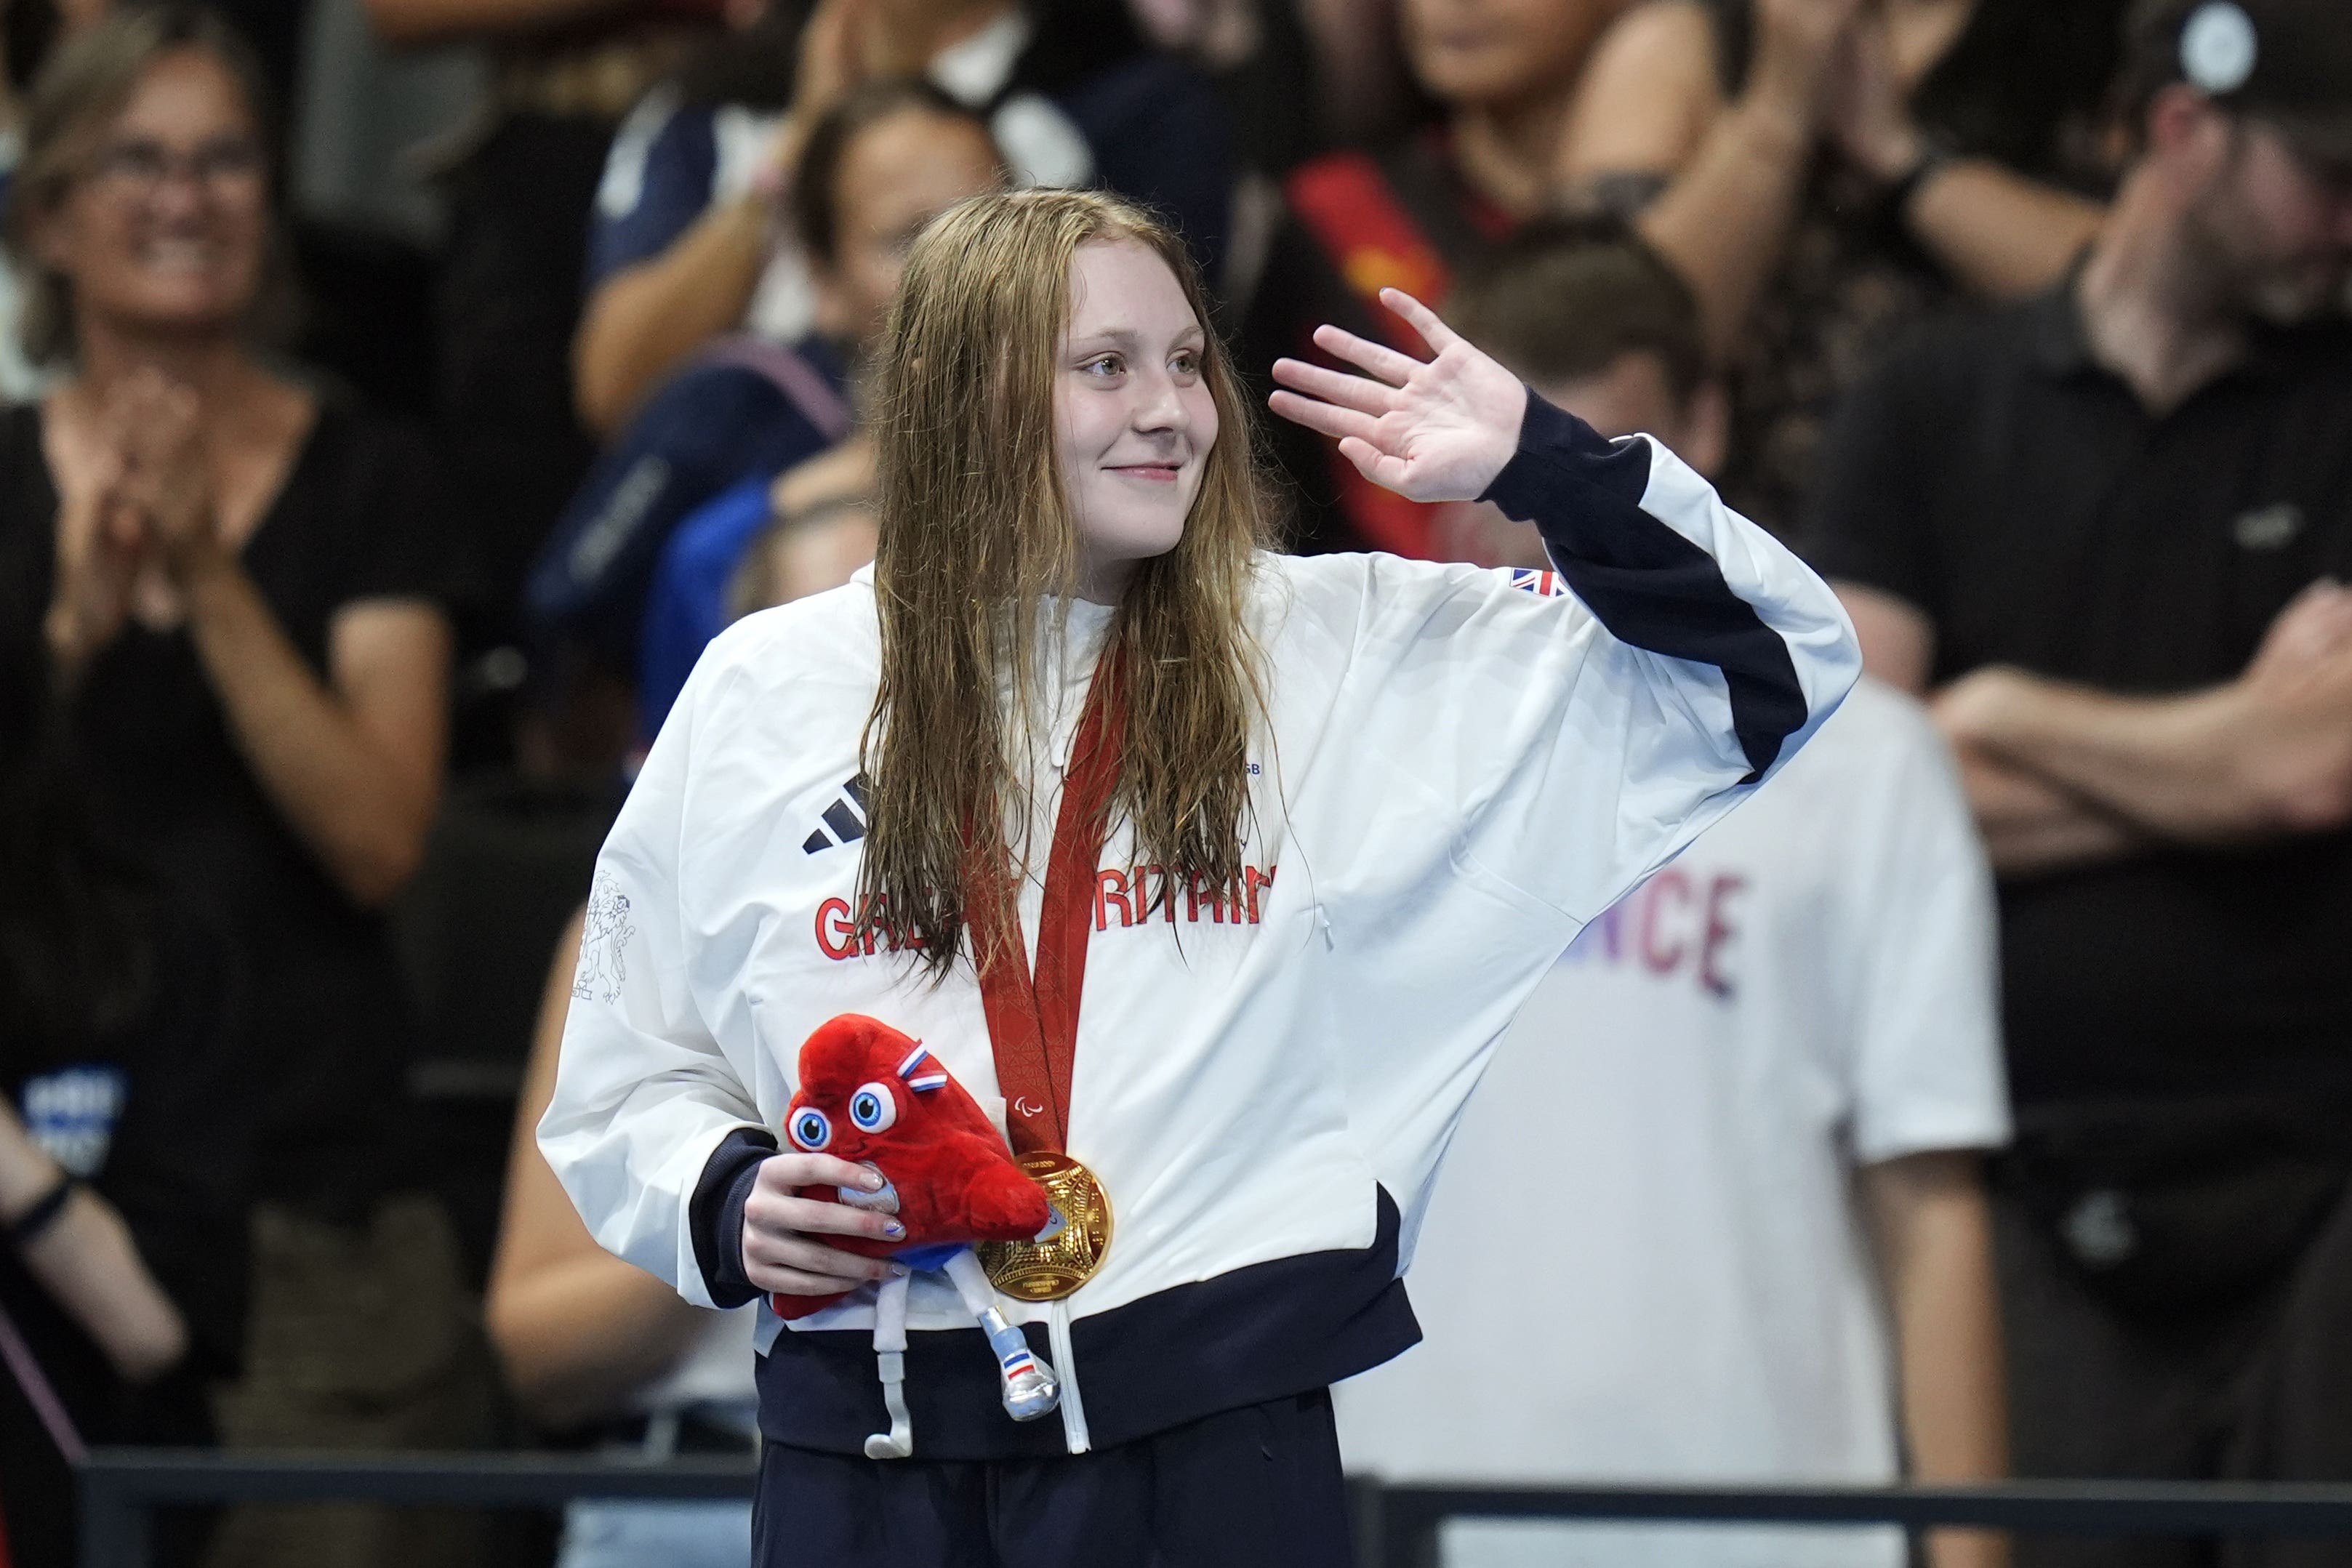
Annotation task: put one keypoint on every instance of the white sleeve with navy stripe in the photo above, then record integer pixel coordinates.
(1578, 729)
(1499, 755)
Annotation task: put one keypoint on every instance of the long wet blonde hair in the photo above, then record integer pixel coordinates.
(977, 543)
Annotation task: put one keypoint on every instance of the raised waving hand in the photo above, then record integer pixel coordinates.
(1431, 430)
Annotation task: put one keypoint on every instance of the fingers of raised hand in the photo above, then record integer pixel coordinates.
(1374, 359)
(1359, 392)
(1421, 319)
(1375, 465)
(2326, 619)
(1328, 418)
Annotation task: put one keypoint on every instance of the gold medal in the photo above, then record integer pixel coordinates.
(1065, 1254)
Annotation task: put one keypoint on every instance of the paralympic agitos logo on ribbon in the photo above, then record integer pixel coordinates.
(1123, 897)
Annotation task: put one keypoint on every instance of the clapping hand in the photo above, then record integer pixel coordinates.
(1431, 430)
(167, 479)
(101, 549)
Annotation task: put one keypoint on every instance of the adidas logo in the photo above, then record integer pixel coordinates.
(846, 817)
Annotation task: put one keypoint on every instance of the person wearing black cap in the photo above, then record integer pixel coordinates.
(2108, 530)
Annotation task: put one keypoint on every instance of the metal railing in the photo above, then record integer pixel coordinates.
(1396, 1526)
(120, 1486)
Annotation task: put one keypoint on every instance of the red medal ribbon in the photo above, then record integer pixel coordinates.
(1032, 1021)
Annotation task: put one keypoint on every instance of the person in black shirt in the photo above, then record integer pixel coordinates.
(2109, 527)
(240, 587)
(122, 1148)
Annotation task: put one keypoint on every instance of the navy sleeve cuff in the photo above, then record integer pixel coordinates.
(715, 1213)
(1559, 455)
(1650, 586)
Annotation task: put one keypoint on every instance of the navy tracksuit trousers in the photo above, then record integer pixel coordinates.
(1257, 1486)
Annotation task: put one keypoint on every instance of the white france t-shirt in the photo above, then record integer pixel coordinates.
(1643, 1260)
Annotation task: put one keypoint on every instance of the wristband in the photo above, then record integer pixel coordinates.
(28, 1227)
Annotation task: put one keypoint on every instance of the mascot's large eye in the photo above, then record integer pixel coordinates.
(873, 1107)
(810, 1129)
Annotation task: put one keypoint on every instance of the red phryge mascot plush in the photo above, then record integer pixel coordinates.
(872, 1096)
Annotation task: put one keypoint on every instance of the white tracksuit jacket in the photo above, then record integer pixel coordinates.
(1460, 766)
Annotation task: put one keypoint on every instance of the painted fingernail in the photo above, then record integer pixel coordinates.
(894, 1230)
(871, 1181)
(900, 1271)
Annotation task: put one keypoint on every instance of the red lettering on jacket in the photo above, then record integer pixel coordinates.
(1110, 891)
(832, 921)
(1253, 879)
(1133, 896)
(1151, 891)
(1137, 895)
(838, 936)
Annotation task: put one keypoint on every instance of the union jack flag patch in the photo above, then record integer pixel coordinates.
(1542, 584)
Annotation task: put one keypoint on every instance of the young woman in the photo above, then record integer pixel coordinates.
(1327, 821)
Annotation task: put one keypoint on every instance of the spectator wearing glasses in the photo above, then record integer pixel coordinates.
(2107, 529)
(242, 591)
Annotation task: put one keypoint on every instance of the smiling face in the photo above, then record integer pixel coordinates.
(1133, 415)
(164, 227)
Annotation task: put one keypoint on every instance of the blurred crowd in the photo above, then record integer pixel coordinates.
(400, 398)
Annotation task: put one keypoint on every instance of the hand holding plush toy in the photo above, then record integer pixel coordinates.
(871, 1095)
